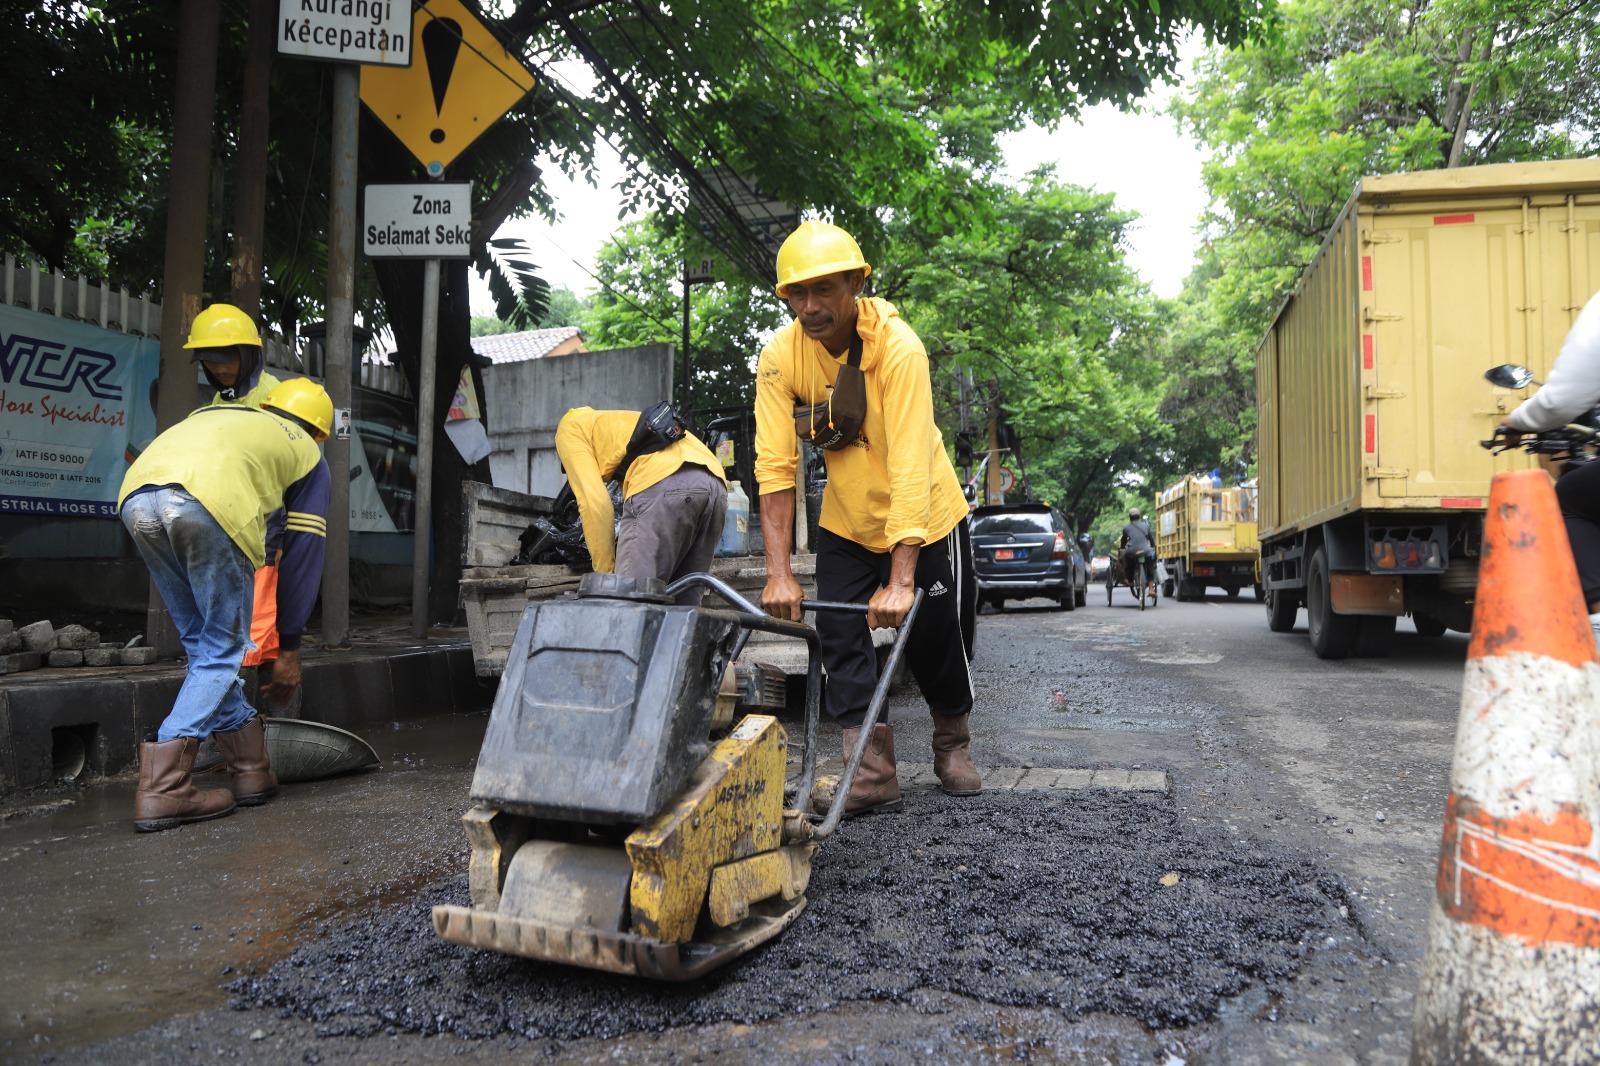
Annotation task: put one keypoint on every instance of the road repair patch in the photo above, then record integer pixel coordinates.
(1081, 901)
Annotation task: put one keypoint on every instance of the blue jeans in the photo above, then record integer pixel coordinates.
(208, 586)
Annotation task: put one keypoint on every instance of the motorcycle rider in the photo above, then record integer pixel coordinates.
(1570, 391)
(1136, 543)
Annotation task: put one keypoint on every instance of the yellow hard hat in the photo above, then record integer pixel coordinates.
(817, 249)
(307, 401)
(220, 326)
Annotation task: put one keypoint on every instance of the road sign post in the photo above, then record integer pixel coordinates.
(464, 83)
(427, 221)
(437, 108)
(377, 33)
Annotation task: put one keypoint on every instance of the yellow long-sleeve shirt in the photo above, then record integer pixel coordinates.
(895, 484)
(591, 445)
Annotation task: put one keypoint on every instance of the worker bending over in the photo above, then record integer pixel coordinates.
(673, 500)
(195, 503)
(228, 348)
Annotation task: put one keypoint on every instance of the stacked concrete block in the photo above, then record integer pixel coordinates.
(41, 644)
(76, 638)
(103, 655)
(18, 661)
(39, 637)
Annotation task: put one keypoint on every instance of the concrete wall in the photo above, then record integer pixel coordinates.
(527, 399)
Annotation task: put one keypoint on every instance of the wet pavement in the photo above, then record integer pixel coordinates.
(108, 930)
(1246, 916)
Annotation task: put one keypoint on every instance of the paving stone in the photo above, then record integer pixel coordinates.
(64, 657)
(9, 643)
(136, 656)
(76, 638)
(102, 656)
(19, 661)
(7, 626)
(40, 636)
(1025, 779)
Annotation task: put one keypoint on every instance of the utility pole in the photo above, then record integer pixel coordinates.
(183, 271)
(338, 357)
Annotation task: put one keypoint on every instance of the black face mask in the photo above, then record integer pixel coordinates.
(249, 360)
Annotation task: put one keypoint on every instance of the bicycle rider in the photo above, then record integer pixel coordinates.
(1138, 551)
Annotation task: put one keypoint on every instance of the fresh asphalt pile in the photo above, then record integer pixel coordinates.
(1079, 901)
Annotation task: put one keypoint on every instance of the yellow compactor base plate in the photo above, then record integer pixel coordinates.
(624, 953)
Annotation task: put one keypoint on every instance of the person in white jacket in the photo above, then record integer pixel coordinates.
(1571, 390)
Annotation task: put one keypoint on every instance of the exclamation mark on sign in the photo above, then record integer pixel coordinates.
(441, 42)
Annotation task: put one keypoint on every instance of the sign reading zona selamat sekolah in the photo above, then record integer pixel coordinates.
(425, 220)
(375, 32)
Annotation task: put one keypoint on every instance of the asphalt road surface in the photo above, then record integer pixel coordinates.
(1269, 907)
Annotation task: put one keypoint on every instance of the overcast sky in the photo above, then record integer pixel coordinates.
(1142, 158)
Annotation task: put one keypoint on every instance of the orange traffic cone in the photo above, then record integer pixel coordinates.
(1513, 966)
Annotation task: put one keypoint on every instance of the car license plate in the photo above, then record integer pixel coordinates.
(1004, 553)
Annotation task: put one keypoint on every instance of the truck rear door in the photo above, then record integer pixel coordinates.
(1444, 297)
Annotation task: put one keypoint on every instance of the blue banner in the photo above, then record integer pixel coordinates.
(76, 406)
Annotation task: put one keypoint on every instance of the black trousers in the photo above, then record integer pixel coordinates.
(935, 651)
(1579, 492)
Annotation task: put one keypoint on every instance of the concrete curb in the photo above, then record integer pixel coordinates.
(55, 719)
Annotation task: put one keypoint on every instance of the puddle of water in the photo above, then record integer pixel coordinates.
(110, 931)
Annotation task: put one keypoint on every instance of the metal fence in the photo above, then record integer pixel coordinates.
(40, 289)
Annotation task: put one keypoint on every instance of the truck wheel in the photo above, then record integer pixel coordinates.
(1374, 635)
(1170, 588)
(1260, 593)
(1282, 609)
(1332, 634)
(1428, 626)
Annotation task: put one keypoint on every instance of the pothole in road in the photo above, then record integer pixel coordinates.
(1181, 660)
(1080, 902)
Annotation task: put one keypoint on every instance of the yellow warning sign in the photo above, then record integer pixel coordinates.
(460, 82)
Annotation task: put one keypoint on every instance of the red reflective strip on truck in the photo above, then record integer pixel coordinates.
(1451, 220)
(1372, 433)
(1461, 501)
(1366, 351)
(1366, 273)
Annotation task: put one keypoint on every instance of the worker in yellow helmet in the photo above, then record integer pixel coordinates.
(228, 348)
(848, 375)
(196, 502)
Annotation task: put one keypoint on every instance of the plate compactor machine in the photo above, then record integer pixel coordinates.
(619, 823)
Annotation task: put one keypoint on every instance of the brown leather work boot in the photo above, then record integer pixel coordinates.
(951, 762)
(167, 796)
(245, 752)
(876, 788)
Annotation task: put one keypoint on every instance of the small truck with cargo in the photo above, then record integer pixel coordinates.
(1371, 398)
(1206, 538)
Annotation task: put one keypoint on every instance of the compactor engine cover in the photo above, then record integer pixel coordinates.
(605, 705)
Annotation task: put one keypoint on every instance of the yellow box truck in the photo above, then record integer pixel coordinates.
(1371, 398)
(1206, 537)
